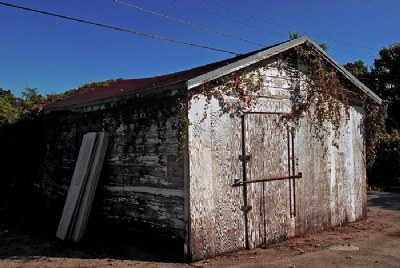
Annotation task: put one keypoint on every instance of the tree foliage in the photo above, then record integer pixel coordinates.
(375, 114)
(382, 123)
(385, 171)
(9, 111)
(386, 71)
(13, 108)
(295, 35)
(22, 143)
(357, 68)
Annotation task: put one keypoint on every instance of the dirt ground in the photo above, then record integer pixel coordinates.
(374, 242)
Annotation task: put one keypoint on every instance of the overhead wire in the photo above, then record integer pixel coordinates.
(229, 19)
(350, 22)
(245, 14)
(136, 32)
(283, 26)
(382, 7)
(257, 7)
(350, 52)
(188, 23)
(258, 28)
(119, 29)
(210, 30)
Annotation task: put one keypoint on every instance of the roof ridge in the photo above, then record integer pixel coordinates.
(194, 77)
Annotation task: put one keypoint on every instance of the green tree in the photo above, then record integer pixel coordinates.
(324, 46)
(295, 35)
(386, 71)
(32, 101)
(382, 136)
(357, 68)
(375, 115)
(31, 94)
(9, 107)
(361, 72)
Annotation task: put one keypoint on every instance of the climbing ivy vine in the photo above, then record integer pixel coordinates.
(319, 91)
(325, 98)
(235, 92)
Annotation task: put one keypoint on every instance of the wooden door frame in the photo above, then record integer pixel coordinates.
(244, 158)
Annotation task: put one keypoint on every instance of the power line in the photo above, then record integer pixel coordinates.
(246, 14)
(350, 22)
(119, 29)
(283, 26)
(257, 28)
(354, 53)
(229, 19)
(257, 7)
(188, 23)
(382, 7)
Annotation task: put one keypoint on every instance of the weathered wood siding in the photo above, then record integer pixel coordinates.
(216, 219)
(331, 191)
(267, 144)
(333, 188)
(145, 186)
(142, 180)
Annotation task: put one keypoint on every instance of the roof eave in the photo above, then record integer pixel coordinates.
(347, 74)
(101, 104)
(201, 79)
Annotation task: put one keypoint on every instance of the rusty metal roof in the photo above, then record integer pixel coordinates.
(126, 87)
(190, 78)
(271, 51)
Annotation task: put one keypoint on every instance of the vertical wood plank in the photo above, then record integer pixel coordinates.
(83, 213)
(267, 144)
(77, 184)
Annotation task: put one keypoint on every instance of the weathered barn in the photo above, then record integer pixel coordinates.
(226, 156)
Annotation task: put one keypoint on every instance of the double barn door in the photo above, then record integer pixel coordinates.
(268, 178)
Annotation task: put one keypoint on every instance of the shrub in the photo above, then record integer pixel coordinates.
(385, 171)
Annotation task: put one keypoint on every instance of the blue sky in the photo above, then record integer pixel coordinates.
(55, 55)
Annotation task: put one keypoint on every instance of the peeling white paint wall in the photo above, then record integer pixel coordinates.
(331, 191)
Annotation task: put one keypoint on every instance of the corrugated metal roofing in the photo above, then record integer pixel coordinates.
(123, 87)
(191, 78)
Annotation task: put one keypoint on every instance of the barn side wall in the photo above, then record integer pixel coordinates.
(141, 185)
(332, 190)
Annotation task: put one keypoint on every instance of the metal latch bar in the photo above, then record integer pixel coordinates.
(245, 157)
(246, 208)
(240, 183)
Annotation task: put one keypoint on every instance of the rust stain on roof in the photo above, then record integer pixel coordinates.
(125, 87)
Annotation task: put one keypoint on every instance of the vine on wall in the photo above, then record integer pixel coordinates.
(182, 124)
(235, 92)
(141, 116)
(375, 129)
(163, 112)
(325, 97)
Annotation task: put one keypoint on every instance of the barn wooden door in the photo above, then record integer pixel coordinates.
(268, 181)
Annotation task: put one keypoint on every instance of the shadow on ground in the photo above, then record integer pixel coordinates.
(24, 238)
(27, 238)
(384, 200)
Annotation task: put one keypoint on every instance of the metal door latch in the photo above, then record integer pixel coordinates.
(244, 157)
(246, 208)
